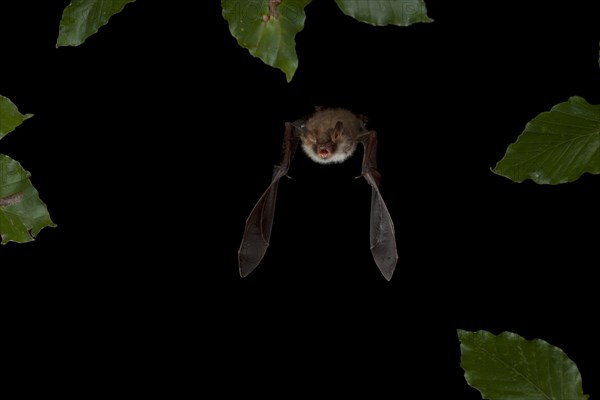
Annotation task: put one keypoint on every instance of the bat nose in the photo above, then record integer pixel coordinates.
(324, 153)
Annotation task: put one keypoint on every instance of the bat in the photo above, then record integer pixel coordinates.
(329, 135)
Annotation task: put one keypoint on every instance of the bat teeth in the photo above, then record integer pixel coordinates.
(324, 153)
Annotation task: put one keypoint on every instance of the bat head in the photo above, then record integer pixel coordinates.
(329, 136)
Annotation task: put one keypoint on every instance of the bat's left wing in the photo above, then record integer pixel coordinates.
(257, 232)
(383, 238)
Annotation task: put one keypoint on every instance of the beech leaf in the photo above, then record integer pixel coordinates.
(557, 146)
(82, 18)
(268, 28)
(508, 367)
(386, 12)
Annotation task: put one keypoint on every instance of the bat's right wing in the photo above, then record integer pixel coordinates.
(257, 232)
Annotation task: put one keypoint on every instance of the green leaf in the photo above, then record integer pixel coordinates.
(556, 146)
(22, 214)
(82, 18)
(267, 28)
(508, 367)
(386, 12)
(21, 209)
(10, 117)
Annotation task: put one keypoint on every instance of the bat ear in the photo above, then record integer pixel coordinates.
(310, 137)
(338, 130)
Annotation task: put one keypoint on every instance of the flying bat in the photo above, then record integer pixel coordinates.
(329, 135)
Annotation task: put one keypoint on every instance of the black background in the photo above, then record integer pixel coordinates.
(152, 141)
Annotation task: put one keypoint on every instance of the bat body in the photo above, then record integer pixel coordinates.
(330, 135)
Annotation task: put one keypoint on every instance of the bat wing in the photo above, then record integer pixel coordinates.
(383, 238)
(382, 235)
(257, 232)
